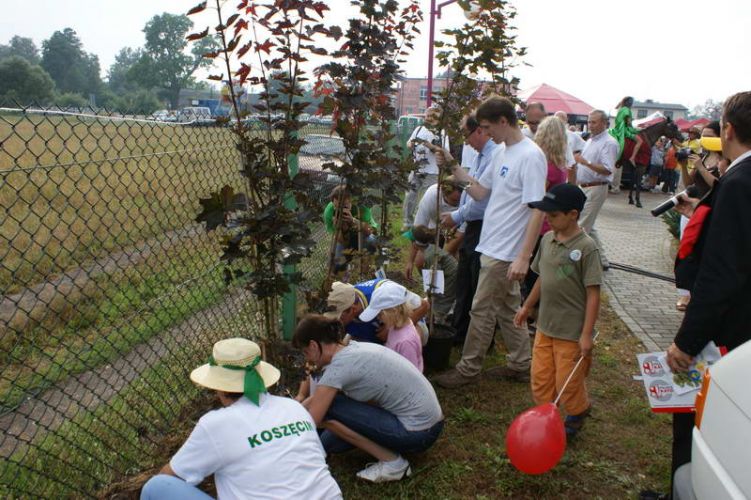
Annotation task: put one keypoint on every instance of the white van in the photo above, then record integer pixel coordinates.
(721, 450)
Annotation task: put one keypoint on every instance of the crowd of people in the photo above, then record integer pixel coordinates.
(523, 259)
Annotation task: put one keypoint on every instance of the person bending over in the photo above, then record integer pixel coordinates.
(369, 397)
(256, 446)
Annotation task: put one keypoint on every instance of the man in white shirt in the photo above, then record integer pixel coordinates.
(594, 171)
(535, 114)
(427, 216)
(427, 169)
(515, 177)
(256, 446)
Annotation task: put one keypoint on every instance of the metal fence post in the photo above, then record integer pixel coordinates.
(289, 301)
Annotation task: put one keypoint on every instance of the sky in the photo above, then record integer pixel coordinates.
(598, 50)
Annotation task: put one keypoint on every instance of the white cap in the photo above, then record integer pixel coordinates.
(387, 295)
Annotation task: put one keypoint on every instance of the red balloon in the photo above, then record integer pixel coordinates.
(536, 439)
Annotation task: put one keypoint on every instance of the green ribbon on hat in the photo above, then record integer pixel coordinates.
(253, 384)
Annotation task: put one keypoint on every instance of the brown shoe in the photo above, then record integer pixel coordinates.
(453, 379)
(506, 373)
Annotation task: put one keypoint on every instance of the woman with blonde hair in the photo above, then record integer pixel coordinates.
(552, 139)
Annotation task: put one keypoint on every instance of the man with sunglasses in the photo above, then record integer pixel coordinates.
(469, 217)
(535, 114)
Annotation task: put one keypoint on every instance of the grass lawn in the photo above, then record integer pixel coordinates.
(622, 449)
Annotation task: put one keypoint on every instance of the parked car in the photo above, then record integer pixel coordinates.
(721, 450)
(319, 150)
(163, 115)
(197, 115)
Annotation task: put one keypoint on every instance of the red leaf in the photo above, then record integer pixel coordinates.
(242, 4)
(211, 55)
(197, 36)
(242, 50)
(217, 78)
(251, 10)
(265, 46)
(198, 8)
(232, 44)
(242, 24)
(231, 19)
(320, 8)
(243, 73)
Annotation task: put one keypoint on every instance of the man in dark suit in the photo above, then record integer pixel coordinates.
(719, 309)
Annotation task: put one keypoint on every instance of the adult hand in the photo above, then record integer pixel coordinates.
(579, 158)
(518, 269)
(678, 361)
(586, 344)
(408, 271)
(686, 205)
(443, 157)
(520, 319)
(447, 221)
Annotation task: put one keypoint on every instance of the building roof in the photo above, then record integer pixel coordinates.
(650, 104)
(555, 100)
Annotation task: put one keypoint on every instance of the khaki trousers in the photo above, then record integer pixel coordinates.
(596, 196)
(552, 362)
(496, 301)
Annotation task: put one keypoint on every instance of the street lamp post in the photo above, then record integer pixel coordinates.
(435, 12)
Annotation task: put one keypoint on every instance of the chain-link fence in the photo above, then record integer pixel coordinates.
(109, 288)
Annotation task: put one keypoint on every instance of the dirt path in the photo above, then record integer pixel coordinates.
(86, 391)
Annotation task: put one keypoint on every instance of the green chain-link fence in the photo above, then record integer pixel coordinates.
(111, 293)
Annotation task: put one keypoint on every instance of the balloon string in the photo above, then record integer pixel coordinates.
(571, 375)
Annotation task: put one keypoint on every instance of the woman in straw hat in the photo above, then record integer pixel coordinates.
(256, 446)
(369, 397)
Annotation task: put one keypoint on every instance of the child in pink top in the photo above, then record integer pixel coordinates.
(391, 302)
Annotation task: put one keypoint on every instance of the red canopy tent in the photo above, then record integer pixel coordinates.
(684, 125)
(555, 100)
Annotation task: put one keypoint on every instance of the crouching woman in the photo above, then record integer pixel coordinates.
(369, 397)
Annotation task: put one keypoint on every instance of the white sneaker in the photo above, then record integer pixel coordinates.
(381, 472)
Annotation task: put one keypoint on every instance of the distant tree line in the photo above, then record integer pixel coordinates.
(140, 81)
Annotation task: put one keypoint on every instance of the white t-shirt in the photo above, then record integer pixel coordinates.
(426, 215)
(268, 451)
(424, 157)
(515, 177)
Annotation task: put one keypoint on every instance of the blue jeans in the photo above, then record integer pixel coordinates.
(376, 424)
(164, 487)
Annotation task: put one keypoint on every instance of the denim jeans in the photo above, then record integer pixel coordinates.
(164, 487)
(376, 424)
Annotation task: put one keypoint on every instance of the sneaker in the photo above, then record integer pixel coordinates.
(453, 379)
(381, 472)
(506, 373)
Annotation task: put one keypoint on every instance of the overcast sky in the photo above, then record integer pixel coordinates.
(682, 52)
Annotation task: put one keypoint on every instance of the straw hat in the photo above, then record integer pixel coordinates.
(341, 298)
(236, 366)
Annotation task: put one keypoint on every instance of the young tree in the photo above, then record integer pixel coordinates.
(72, 69)
(24, 83)
(268, 226)
(21, 47)
(165, 63)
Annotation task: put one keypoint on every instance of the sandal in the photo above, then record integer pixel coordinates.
(574, 423)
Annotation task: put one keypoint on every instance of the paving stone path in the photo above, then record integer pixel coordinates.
(632, 236)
